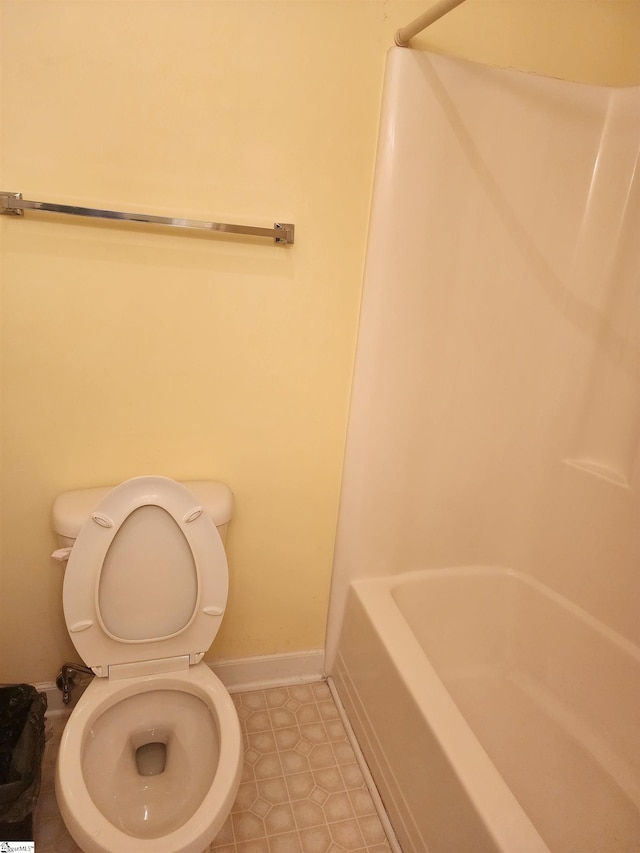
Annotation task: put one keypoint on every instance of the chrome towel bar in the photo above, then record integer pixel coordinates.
(12, 204)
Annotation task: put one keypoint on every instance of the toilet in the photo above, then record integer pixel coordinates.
(150, 758)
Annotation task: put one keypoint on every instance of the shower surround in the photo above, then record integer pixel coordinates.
(494, 433)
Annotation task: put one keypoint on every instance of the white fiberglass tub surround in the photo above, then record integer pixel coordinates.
(480, 697)
(495, 416)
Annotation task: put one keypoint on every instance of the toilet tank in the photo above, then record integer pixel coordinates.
(72, 509)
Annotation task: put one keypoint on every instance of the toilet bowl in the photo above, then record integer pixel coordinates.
(108, 805)
(150, 758)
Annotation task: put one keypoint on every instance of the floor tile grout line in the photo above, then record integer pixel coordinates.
(282, 775)
(364, 768)
(321, 721)
(293, 811)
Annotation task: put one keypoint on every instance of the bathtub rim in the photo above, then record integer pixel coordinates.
(475, 770)
(498, 809)
(392, 582)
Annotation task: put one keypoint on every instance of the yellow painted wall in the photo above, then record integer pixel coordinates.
(590, 41)
(129, 350)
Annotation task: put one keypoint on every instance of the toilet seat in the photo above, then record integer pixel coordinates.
(146, 582)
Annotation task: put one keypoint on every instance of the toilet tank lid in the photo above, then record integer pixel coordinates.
(71, 509)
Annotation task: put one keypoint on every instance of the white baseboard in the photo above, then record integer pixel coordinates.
(237, 675)
(281, 670)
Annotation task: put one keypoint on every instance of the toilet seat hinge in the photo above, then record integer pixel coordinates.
(148, 667)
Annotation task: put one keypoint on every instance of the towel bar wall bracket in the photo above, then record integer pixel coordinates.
(12, 204)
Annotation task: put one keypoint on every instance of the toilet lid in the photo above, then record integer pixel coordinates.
(146, 582)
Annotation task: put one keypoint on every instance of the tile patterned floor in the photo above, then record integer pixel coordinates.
(302, 790)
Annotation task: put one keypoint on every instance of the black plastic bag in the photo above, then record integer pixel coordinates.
(22, 711)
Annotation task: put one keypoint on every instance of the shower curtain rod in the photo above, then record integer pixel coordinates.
(439, 9)
(12, 204)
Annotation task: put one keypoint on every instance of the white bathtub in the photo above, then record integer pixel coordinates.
(494, 714)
